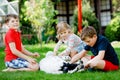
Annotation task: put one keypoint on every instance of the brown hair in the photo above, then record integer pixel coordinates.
(9, 16)
(88, 32)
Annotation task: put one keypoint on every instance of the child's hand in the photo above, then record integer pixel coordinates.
(87, 65)
(32, 60)
(36, 54)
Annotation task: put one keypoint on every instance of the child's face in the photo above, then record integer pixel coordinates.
(13, 23)
(90, 41)
(64, 34)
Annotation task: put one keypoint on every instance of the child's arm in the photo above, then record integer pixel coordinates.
(70, 46)
(29, 53)
(20, 54)
(78, 56)
(100, 56)
(57, 47)
(65, 52)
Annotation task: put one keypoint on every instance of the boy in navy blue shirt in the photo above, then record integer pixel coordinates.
(104, 56)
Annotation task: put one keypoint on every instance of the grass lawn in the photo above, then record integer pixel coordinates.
(39, 75)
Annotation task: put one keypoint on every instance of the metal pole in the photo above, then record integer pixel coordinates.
(79, 15)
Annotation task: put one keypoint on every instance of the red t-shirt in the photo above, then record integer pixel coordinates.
(12, 36)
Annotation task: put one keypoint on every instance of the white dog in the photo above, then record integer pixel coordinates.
(57, 65)
(51, 64)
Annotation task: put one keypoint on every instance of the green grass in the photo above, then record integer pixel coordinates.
(40, 75)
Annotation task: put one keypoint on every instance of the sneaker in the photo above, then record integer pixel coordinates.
(72, 71)
(79, 68)
(68, 68)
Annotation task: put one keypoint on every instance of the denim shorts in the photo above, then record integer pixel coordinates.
(80, 47)
(17, 63)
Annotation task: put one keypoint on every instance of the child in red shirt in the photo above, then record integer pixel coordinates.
(17, 57)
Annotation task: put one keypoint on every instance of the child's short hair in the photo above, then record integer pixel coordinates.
(88, 32)
(9, 16)
(63, 26)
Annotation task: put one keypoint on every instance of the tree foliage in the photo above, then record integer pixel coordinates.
(116, 5)
(88, 17)
(112, 31)
(40, 15)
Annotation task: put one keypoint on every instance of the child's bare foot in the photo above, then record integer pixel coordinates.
(8, 69)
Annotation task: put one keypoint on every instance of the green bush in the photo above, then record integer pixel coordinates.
(88, 17)
(48, 34)
(30, 39)
(112, 31)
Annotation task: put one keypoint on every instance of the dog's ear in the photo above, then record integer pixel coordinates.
(72, 66)
(64, 67)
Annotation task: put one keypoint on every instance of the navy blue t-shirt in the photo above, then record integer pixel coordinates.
(103, 44)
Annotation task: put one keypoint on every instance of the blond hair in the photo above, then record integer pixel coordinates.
(88, 32)
(61, 27)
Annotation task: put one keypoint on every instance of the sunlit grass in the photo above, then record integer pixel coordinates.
(39, 75)
(116, 44)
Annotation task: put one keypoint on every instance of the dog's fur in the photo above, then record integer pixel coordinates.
(57, 65)
(51, 64)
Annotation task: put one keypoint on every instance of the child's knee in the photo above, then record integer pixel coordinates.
(34, 67)
(94, 64)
